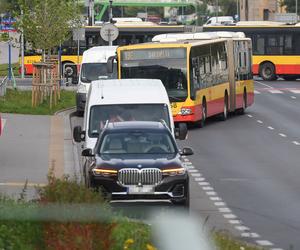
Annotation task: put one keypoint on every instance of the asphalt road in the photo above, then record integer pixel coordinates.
(245, 171)
(253, 164)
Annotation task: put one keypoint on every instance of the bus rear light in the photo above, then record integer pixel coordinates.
(185, 111)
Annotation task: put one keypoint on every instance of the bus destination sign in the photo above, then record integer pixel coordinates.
(154, 54)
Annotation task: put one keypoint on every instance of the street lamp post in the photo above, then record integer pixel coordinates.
(297, 10)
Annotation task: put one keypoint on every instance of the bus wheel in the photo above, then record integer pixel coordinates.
(241, 111)
(267, 71)
(204, 114)
(224, 115)
(69, 70)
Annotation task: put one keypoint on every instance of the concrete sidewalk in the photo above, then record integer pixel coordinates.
(31, 146)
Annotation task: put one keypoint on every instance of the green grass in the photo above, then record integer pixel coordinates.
(224, 241)
(19, 102)
(4, 69)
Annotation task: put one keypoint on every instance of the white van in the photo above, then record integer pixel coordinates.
(93, 67)
(124, 100)
(220, 20)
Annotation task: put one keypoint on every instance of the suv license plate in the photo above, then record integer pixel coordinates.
(140, 190)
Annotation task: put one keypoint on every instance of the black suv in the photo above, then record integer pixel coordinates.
(138, 160)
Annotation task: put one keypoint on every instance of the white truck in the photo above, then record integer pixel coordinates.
(124, 100)
(93, 67)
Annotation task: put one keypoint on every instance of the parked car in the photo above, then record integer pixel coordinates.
(138, 160)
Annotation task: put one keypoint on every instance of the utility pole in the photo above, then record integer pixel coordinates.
(22, 51)
(110, 19)
(297, 10)
(91, 13)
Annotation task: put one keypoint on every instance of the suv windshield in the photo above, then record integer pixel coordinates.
(92, 71)
(137, 142)
(126, 112)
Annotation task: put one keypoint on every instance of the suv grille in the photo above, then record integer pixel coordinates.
(133, 176)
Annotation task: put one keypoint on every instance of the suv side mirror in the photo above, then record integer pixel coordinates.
(181, 131)
(110, 64)
(87, 152)
(78, 134)
(187, 151)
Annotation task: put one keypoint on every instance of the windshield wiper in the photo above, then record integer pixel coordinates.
(175, 98)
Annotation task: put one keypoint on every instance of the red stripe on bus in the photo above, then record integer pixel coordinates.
(281, 69)
(28, 69)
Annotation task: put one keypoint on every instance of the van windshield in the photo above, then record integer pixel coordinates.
(126, 112)
(92, 71)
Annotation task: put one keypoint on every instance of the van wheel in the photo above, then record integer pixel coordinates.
(267, 71)
(224, 115)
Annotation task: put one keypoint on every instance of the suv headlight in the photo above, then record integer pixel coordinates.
(81, 89)
(104, 172)
(173, 171)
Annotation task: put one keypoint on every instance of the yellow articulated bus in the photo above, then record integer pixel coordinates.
(205, 74)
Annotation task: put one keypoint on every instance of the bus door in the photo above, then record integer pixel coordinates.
(232, 70)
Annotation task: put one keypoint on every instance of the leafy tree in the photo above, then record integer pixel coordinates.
(228, 7)
(47, 23)
(290, 5)
(8, 6)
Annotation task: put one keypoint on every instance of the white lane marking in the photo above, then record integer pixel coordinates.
(206, 188)
(264, 243)
(190, 167)
(193, 170)
(271, 128)
(224, 210)
(215, 198)
(200, 179)
(250, 235)
(256, 92)
(203, 183)
(235, 222)
(220, 204)
(242, 228)
(296, 143)
(295, 91)
(275, 91)
(282, 135)
(229, 216)
(276, 249)
(196, 174)
(211, 193)
(293, 97)
(259, 121)
(266, 85)
(250, 116)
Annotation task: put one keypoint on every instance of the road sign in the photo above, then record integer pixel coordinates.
(79, 34)
(109, 32)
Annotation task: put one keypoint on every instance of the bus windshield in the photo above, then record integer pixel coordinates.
(92, 71)
(166, 64)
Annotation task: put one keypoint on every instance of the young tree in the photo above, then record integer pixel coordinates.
(47, 23)
(290, 5)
